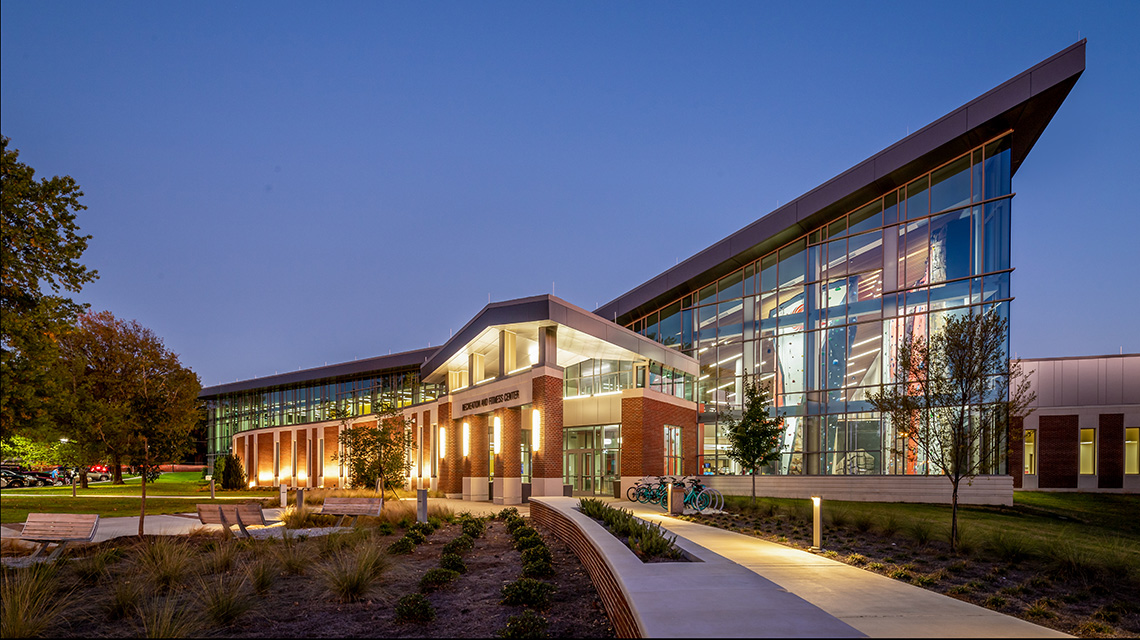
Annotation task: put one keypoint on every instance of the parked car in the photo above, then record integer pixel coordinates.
(98, 472)
(16, 480)
(44, 478)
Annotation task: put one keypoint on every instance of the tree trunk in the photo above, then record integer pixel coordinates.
(116, 469)
(753, 485)
(954, 517)
(142, 508)
(82, 477)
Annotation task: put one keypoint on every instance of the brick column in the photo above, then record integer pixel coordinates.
(1110, 451)
(451, 467)
(1058, 442)
(478, 461)
(301, 473)
(546, 463)
(264, 458)
(508, 464)
(331, 475)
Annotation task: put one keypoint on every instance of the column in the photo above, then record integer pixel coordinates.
(451, 467)
(508, 463)
(546, 460)
(478, 468)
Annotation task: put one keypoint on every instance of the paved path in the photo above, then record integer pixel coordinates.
(875, 605)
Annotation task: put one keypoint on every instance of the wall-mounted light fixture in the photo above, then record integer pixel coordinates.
(442, 442)
(466, 439)
(535, 429)
(498, 435)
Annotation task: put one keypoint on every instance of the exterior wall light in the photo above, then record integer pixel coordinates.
(442, 442)
(466, 439)
(535, 429)
(498, 435)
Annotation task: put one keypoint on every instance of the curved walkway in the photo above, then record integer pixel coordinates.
(874, 605)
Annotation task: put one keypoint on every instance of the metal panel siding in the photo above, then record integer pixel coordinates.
(1070, 383)
(1089, 382)
(1114, 389)
(1131, 381)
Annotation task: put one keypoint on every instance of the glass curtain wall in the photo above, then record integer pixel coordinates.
(231, 413)
(820, 320)
(598, 377)
(592, 458)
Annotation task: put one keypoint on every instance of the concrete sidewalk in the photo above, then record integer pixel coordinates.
(875, 605)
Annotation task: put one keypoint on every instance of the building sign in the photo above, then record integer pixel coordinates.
(496, 396)
(491, 401)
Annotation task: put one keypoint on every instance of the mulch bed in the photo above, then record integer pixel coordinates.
(1085, 602)
(301, 606)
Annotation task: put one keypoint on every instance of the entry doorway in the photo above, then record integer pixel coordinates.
(591, 459)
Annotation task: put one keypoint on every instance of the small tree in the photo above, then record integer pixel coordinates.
(754, 440)
(951, 400)
(229, 473)
(378, 454)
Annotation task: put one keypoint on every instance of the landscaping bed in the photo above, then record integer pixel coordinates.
(1072, 584)
(310, 586)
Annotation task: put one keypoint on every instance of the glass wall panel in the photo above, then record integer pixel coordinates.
(917, 198)
(950, 246)
(996, 234)
(866, 218)
(731, 286)
(793, 263)
(997, 169)
(670, 325)
(950, 185)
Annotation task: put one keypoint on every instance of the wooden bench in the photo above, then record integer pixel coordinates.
(354, 507)
(58, 528)
(228, 515)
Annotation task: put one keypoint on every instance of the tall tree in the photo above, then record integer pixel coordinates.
(952, 399)
(754, 440)
(127, 392)
(40, 248)
(378, 455)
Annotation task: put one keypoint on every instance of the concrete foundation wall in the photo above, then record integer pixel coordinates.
(933, 489)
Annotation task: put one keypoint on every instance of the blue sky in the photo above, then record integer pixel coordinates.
(274, 186)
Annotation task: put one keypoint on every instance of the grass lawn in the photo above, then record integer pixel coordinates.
(17, 508)
(182, 483)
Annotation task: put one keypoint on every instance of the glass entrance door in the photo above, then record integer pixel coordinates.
(591, 458)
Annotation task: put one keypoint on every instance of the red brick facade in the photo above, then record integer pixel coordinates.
(1058, 440)
(1110, 451)
(479, 460)
(451, 467)
(547, 398)
(264, 459)
(509, 461)
(302, 470)
(331, 463)
(1017, 451)
(643, 421)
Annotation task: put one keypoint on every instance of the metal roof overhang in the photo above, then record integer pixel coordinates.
(1024, 104)
(576, 327)
(403, 360)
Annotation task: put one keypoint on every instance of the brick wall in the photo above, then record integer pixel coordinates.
(264, 458)
(1110, 451)
(331, 462)
(643, 421)
(450, 468)
(509, 462)
(302, 460)
(285, 465)
(1058, 442)
(547, 398)
(478, 460)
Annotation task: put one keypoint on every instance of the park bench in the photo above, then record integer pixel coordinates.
(228, 515)
(354, 507)
(58, 528)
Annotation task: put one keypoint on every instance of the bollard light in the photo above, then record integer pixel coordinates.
(817, 530)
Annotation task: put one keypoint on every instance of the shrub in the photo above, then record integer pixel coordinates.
(385, 529)
(348, 577)
(528, 624)
(876, 566)
(920, 531)
(437, 578)
(1068, 562)
(527, 592)
(414, 608)
(856, 559)
(453, 561)
(124, 595)
(221, 559)
(402, 546)
(168, 619)
(537, 553)
(94, 566)
(533, 539)
(415, 536)
(261, 575)
(474, 528)
(460, 545)
(995, 602)
(436, 522)
(508, 513)
(592, 507)
(405, 521)
(332, 544)
(958, 567)
(515, 524)
(537, 569)
(959, 589)
(165, 561)
(900, 573)
(1039, 609)
(228, 472)
(422, 528)
(889, 525)
(863, 522)
(839, 518)
(1010, 548)
(223, 599)
(293, 559)
(28, 603)
(926, 579)
(649, 541)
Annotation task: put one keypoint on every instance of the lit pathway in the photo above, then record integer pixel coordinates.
(876, 605)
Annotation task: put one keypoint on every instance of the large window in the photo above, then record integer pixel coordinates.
(672, 450)
(591, 458)
(820, 319)
(1030, 458)
(1132, 451)
(1088, 451)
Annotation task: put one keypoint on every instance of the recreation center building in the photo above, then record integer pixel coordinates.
(537, 396)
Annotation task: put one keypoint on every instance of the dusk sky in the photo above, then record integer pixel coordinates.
(274, 186)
